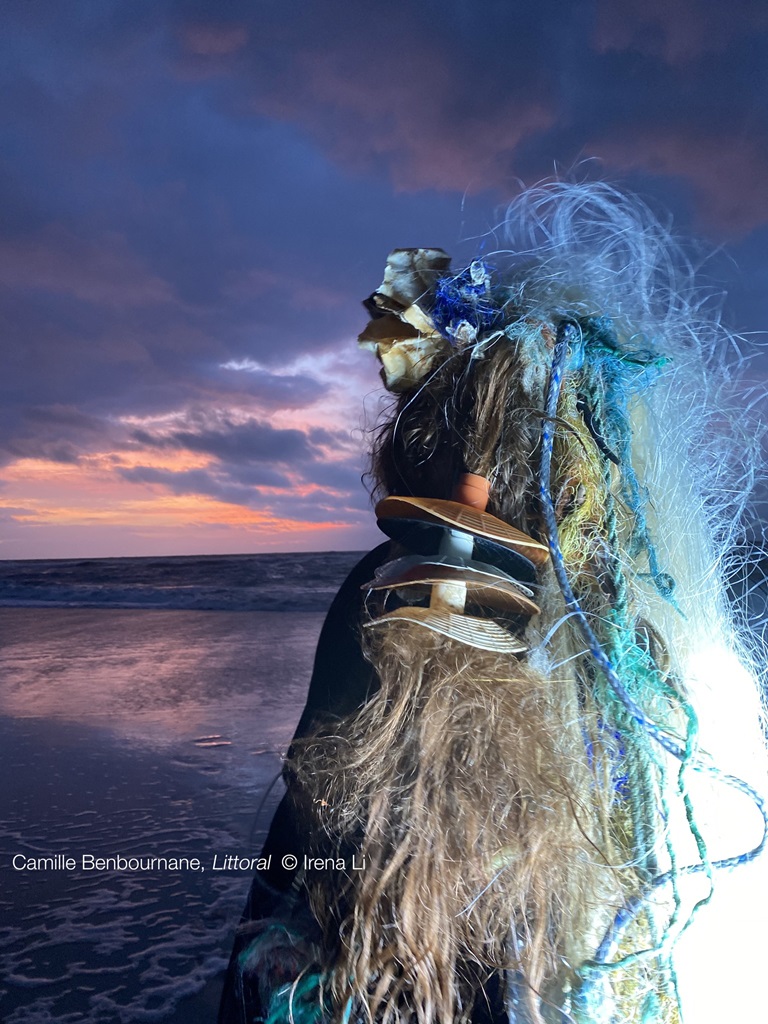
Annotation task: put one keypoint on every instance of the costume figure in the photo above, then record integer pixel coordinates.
(494, 778)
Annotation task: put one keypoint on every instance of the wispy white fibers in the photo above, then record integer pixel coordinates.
(588, 250)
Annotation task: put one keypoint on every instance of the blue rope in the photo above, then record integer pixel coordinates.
(569, 335)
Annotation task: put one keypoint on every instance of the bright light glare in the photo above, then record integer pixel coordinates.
(721, 959)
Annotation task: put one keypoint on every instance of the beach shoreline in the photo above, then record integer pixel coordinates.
(149, 734)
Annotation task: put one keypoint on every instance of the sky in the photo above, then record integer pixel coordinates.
(195, 196)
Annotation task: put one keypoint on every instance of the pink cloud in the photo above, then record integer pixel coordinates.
(727, 175)
(413, 114)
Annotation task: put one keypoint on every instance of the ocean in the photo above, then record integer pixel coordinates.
(145, 704)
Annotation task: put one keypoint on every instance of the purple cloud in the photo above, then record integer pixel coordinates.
(193, 200)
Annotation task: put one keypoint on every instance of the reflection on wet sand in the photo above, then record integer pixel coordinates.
(135, 733)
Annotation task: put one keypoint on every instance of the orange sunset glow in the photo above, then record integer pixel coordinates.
(43, 495)
(196, 203)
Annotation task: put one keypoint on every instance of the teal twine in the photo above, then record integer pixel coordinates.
(650, 1010)
(570, 333)
(299, 1002)
(611, 377)
(621, 643)
(570, 339)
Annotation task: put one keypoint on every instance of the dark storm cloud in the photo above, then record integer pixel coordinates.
(256, 443)
(442, 97)
(428, 96)
(9, 513)
(703, 123)
(187, 186)
(284, 472)
(210, 483)
(262, 488)
(57, 433)
(342, 477)
(235, 443)
(319, 506)
(334, 488)
(38, 448)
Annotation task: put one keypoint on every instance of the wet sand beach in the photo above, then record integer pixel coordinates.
(141, 734)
